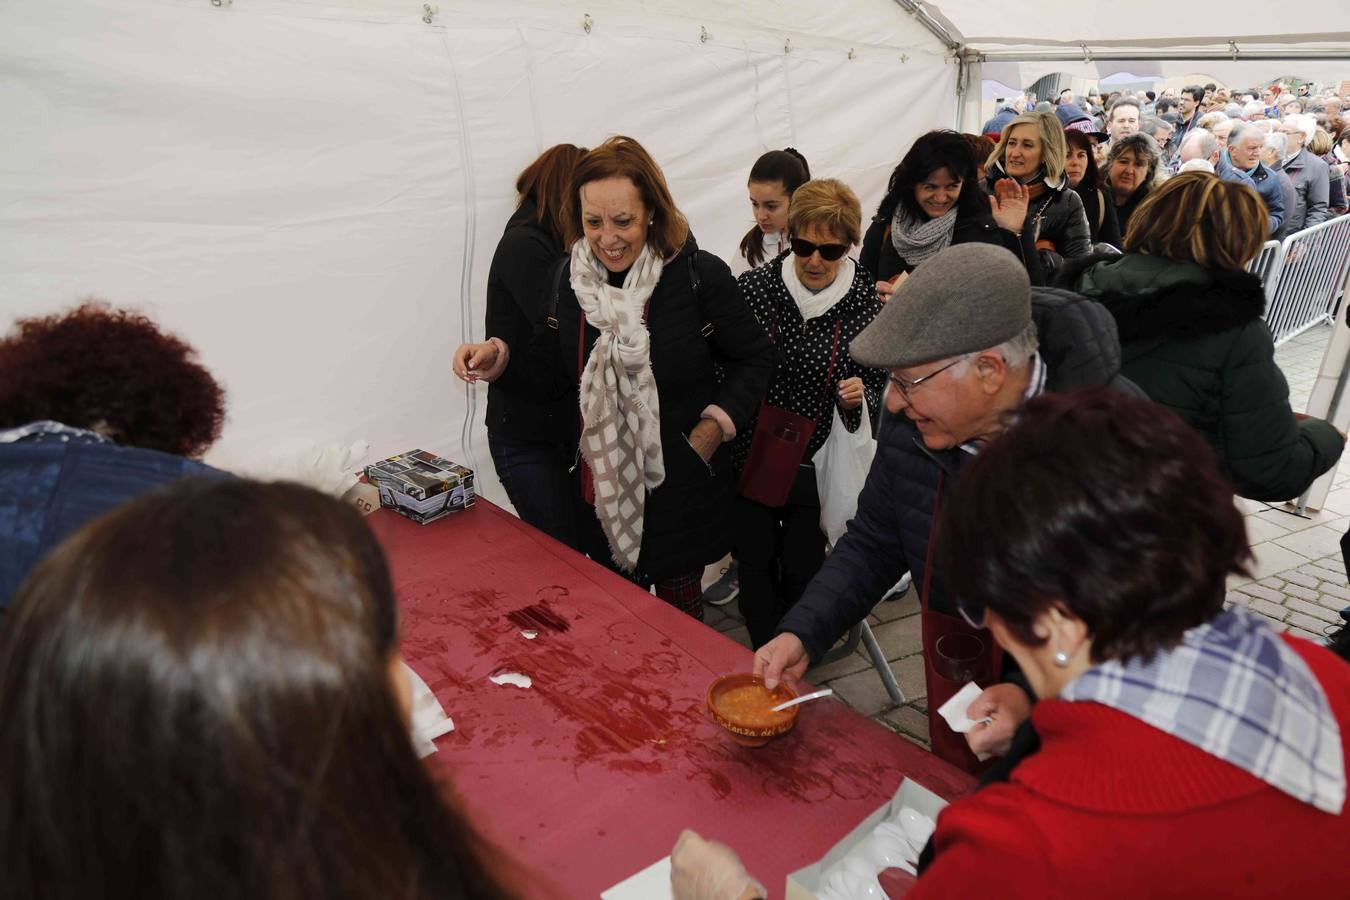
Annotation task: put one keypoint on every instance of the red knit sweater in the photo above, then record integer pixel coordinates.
(1112, 807)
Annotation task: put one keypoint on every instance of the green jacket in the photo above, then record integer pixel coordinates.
(1193, 339)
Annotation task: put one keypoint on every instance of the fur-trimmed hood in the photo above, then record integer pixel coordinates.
(1154, 298)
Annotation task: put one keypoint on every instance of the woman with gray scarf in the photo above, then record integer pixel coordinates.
(933, 201)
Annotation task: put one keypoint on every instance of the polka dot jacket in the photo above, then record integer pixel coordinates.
(803, 349)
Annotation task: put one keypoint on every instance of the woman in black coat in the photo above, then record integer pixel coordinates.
(934, 200)
(1080, 167)
(532, 440)
(1031, 152)
(634, 324)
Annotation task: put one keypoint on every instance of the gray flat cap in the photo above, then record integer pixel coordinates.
(967, 298)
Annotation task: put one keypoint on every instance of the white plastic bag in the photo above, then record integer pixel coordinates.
(841, 469)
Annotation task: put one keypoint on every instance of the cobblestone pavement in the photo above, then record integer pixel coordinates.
(1298, 581)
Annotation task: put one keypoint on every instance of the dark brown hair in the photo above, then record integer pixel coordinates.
(930, 152)
(1198, 217)
(113, 370)
(1107, 504)
(195, 702)
(623, 157)
(981, 145)
(546, 182)
(788, 168)
(1077, 140)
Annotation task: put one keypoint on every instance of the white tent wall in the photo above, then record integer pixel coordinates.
(311, 193)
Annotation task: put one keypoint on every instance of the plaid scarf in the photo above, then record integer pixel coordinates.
(620, 409)
(1234, 689)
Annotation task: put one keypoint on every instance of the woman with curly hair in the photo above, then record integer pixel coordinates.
(1131, 173)
(96, 406)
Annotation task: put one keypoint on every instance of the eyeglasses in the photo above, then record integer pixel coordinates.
(973, 613)
(907, 388)
(828, 252)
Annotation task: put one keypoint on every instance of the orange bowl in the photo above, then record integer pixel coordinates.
(741, 704)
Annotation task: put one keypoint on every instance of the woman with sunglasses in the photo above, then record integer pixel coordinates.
(934, 200)
(812, 301)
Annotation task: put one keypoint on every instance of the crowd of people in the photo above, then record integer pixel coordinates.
(1293, 147)
(1049, 327)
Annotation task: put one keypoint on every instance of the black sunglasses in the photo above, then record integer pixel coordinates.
(828, 252)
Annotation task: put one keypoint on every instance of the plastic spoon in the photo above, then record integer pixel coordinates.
(812, 696)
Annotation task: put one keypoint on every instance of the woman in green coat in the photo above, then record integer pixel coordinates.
(1193, 339)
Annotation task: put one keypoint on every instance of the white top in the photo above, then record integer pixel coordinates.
(774, 244)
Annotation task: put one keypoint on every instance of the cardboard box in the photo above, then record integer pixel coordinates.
(421, 485)
(803, 883)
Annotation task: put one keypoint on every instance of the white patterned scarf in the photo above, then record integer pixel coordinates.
(916, 241)
(809, 304)
(1236, 690)
(620, 411)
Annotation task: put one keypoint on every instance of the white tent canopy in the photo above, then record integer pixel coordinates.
(310, 191)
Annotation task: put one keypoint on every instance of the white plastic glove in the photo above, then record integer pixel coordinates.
(707, 870)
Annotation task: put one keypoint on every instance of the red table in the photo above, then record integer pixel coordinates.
(589, 775)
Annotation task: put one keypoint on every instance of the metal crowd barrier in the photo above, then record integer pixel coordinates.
(1303, 275)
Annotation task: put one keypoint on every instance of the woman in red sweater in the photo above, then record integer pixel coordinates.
(1186, 750)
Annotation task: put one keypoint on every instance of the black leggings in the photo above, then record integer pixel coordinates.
(779, 552)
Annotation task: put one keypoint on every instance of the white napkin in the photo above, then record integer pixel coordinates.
(652, 883)
(429, 721)
(954, 710)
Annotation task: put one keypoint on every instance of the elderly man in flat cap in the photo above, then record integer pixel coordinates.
(966, 343)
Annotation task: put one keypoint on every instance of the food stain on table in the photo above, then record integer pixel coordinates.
(538, 617)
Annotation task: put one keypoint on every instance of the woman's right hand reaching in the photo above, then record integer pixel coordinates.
(472, 362)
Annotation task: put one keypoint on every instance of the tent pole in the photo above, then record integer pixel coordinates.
(962, 88)
(1158, 55)
(919, 11)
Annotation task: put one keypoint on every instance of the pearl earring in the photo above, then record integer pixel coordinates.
(1061, 659)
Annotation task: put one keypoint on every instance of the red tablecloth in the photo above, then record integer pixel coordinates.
(589, 775)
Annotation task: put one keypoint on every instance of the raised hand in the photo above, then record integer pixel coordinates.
(1009, 204)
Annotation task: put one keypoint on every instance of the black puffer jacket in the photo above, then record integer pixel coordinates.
(889, 535)
(687, 520)
(1056, 216)
(1194, 341)
(880, 257)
